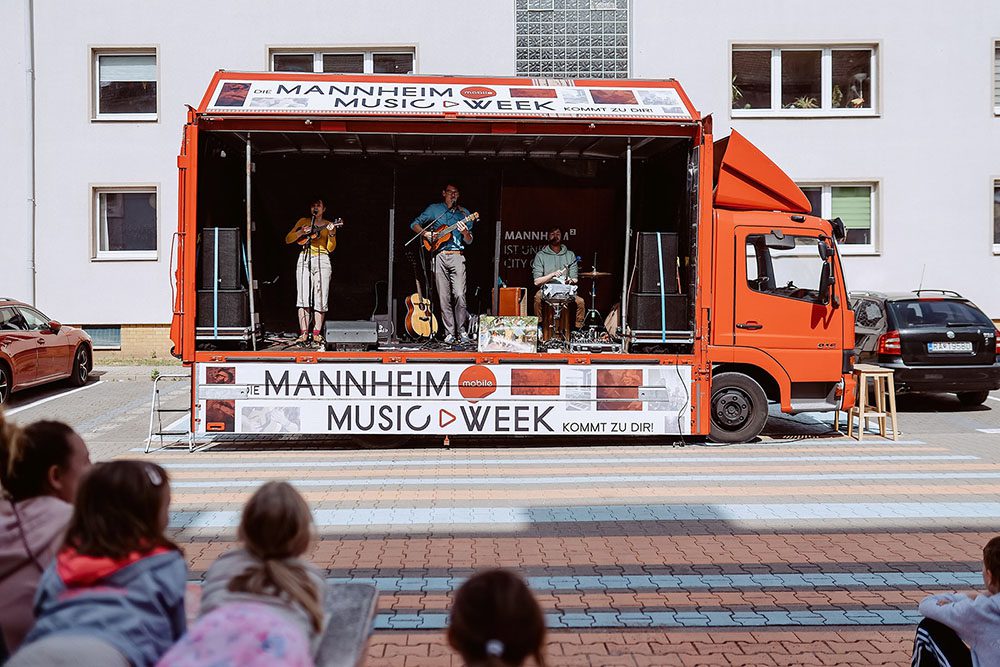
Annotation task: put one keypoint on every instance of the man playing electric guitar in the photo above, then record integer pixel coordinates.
(318, 238)
(449, 262)
(556, 263)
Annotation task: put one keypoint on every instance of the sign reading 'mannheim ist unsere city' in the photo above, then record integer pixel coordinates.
(540, 98)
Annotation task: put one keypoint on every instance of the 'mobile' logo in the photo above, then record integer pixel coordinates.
(477, 92)
(476, 382)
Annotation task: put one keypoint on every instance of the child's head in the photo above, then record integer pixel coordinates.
(277, 526)
(991, 565)
(121, 507)
(495, 620)
(43, 458)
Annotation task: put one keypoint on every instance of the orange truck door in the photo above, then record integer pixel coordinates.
(779, 305)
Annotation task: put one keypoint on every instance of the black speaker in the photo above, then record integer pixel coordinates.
(233, 309)
(644, 312)
(226, 273)
(655, 252)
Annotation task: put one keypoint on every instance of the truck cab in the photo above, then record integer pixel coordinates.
(782, 328)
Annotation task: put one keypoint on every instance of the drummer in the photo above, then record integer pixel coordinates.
(555, 263)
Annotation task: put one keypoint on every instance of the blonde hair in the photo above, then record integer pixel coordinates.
(277, 526)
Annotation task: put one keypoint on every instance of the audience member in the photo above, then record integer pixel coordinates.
(115, 593)
(496, 622)
(40, 470)
(959, 630)
(262, 604)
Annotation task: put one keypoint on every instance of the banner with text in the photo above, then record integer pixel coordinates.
(446, 399)
(541, 98)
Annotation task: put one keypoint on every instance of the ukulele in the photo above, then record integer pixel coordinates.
(307, 236)
(420, 321)
(441, 236)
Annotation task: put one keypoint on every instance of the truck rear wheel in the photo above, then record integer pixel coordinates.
(739, 408)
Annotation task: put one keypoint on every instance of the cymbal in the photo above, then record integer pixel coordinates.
(593, 274)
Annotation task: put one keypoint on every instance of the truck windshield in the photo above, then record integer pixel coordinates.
(937, 313)
(789, 272)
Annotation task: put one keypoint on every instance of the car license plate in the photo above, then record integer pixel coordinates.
(950, 346)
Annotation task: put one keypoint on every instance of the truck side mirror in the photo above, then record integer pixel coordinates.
(826, 283)
(839, 230)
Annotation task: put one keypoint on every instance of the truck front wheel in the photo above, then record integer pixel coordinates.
(739, 408)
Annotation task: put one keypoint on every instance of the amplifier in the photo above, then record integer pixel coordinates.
(351, 334)
(232, 310)
(644, 312)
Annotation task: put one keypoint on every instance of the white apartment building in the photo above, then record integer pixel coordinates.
(887, 114)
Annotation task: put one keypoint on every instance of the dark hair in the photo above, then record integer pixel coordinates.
(453, 184)
(318, 200)
(27, 454)
(555, 227)
(991, 559)
(495, 620)
(118, 510)
(276, 526)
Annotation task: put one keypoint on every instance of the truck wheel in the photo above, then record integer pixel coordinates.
(972, 398)
(739, 408)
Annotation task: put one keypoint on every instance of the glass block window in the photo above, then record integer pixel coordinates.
(572, 38)
(996, 78)
(369, 61)
(105, 337)
(996, 214)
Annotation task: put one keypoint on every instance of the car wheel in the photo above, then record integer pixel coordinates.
(971, 398)
(739, 408)
(6, 383)
(81, 367)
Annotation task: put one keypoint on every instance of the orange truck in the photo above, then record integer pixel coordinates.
(725, 294)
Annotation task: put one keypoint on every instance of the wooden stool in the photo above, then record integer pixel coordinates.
(885, 402)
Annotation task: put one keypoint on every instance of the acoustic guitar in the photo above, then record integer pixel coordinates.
(420, 321)
(307, 236)
(441, 236)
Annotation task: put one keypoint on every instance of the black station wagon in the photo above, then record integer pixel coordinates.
(933, 340)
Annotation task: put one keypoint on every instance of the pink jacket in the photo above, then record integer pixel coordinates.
(43, 520)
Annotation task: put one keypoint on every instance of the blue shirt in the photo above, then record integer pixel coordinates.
(447, 219)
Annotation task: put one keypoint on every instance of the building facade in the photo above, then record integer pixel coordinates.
(887, 115)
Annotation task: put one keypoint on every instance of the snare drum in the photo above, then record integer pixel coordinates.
(557, 319)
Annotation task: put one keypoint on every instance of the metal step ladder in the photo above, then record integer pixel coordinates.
(157, 411)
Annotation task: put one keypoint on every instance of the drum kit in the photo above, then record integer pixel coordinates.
(556, 314)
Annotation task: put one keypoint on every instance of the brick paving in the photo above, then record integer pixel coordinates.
(798, 550)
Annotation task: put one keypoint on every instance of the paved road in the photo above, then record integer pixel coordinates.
(805, 548)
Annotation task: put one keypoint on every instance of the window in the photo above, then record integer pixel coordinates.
(124, 85)
(572, 38)
(996, 215)
(792, 272)
(33, 319)
(854, 203)
(11, 320)
(380, 61)
(805, 81)
(104, 337)
(125, 223)
(996, 78)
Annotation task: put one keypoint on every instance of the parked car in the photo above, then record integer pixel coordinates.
(35, 349)
(933, 340)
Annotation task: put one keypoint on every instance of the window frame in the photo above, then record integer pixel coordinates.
(826, 74)
(995, 71)
(368, 52)
(806, 251)
(98, 255)
(95, 83)
(994, 185)
(826, 210)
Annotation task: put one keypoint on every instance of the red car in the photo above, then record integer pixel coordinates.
(35, 349)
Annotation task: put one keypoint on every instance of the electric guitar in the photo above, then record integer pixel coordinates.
(441, 236)
(420, 321)
(307, 236)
